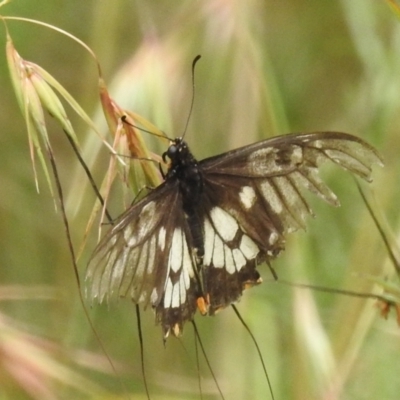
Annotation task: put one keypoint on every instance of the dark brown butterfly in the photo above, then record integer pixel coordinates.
(195, 241)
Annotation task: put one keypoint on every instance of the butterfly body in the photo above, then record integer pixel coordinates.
(195, 241)
(185, 169)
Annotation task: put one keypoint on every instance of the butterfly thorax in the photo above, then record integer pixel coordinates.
(184, 168)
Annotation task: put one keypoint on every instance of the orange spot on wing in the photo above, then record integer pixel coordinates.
(203, 304)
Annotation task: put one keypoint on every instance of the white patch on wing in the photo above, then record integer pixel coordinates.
(294, 200)
(143, 296)
(318, 143)
(248, 248)
(218, 253)
(130, 271)
(142, 260)
(187, 262)
(113, 240)
(240, 261)
(229, 261)
(154, 296)
(118, 270)
(176, 252)
(145, 223)
(271, 197)
(263, 161)
(209, 237)
(161, 238)
(182, 289)
(148, 210)
(261, 153)
(175, 296)
(273, 238)
(127, 232)
(180, 262)
(247, 197)
(152, 255)
(297, 155)
(224, 223)
(186, 277)
(168, 293)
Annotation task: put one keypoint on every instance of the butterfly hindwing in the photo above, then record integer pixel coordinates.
(148, 257)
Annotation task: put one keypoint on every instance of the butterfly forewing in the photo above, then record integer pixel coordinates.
(282, 154)
(279, 168)
(125, 262)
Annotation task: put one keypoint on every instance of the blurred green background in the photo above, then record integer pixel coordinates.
(267, 68)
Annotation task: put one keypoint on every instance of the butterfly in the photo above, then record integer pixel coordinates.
(195, 241)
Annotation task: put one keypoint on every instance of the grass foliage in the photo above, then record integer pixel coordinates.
(267, 68)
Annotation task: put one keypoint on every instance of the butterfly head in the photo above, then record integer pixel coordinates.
(178, 151)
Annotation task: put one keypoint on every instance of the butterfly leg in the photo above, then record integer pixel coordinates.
(273, 272)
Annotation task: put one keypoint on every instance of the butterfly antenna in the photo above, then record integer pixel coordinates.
(125, 121)
(257, 347)
(139, 325)
(197, 58)
(207, 360)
